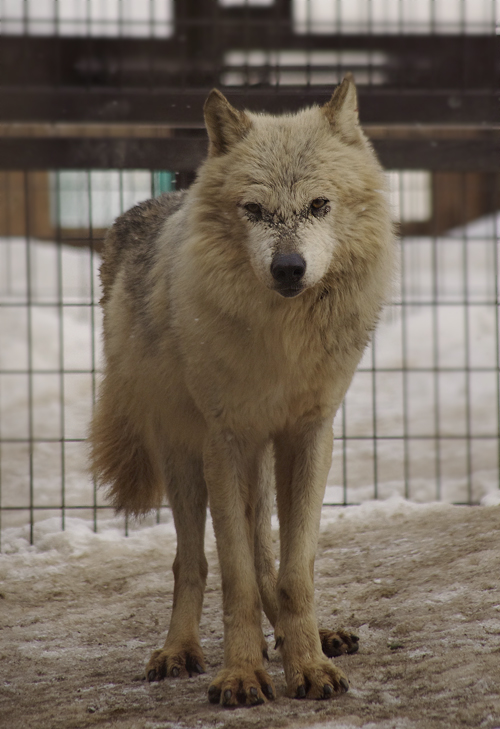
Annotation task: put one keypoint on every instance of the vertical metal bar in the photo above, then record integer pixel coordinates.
(467, 368)
(432, 18)
(120, 22)
(344, 454)
(29, 312)
(122, 206)
(7, 270)
(435, 363)
(8, 257)
(60, 311)
(404, 350)
(468, 432)
(25, 16)
(276, 61)
(374, 418)
(88, 19)
(92, 320)
(308, 64)
(29, 321)
(151, 19)
(370, 52)
(404, 365)
(120, 191)
(496, 244)
(158, 514)
(1, 456)
(8, 290)
(338, 21)
(246, 67)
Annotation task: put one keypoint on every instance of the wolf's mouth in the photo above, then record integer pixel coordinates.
(289, 291)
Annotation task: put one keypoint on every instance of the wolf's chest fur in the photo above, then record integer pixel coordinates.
(271, 362)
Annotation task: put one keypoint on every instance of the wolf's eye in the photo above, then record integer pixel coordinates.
(253, 209)
(318, 203)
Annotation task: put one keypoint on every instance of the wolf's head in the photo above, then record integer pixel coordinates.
(293, 187)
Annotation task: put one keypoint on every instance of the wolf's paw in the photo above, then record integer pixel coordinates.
(241, 687)
(338, 642)
(320, 680)
(171, 662)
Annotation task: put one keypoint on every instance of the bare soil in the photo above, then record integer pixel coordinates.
(420, 586)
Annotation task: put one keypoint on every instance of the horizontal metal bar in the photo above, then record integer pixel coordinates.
(453, 155)
(428, 370)
(378, 438)
(400, 304)
(181, 155)
(198, 48)
(183, 108)
(50, 304)
(102, 507)
(434, 437)
(392, 370)
(60, 507)
(185, 154)
(358, 503)
(439, 302)
(56, 372)
(29, 441)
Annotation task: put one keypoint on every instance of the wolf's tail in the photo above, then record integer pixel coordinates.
(122, 463)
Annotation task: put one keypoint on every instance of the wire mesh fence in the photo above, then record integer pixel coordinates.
(50, 348)
(110, 114)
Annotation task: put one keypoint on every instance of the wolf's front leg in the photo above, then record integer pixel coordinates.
(303, 457)
(230, 474)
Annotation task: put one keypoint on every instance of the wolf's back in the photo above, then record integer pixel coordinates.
(133, 235)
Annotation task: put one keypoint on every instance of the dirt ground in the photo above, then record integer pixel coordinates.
(419, 585)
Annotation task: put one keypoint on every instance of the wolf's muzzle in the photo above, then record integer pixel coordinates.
(288, 270)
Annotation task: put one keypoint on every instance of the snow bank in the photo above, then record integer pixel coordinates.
(432, 401)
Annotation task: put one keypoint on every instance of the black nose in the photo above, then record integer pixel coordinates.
(288, 268)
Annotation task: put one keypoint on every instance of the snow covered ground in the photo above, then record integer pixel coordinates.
(80, 613)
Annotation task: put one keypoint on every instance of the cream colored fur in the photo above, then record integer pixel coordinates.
(219, 387)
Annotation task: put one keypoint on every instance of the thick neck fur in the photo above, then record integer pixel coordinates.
(282, 344)
(215, 248)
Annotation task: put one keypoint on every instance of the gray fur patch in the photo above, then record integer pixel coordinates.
(132, 241)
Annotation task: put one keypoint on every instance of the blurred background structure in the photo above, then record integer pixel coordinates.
(101, 106)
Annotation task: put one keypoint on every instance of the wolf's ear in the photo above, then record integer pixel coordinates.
(342, 110)
(225, 124)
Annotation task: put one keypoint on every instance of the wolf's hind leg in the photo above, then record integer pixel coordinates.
(265, 563)
(182, 654)
(337, 643)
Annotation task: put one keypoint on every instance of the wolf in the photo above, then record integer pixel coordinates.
(235, 314)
